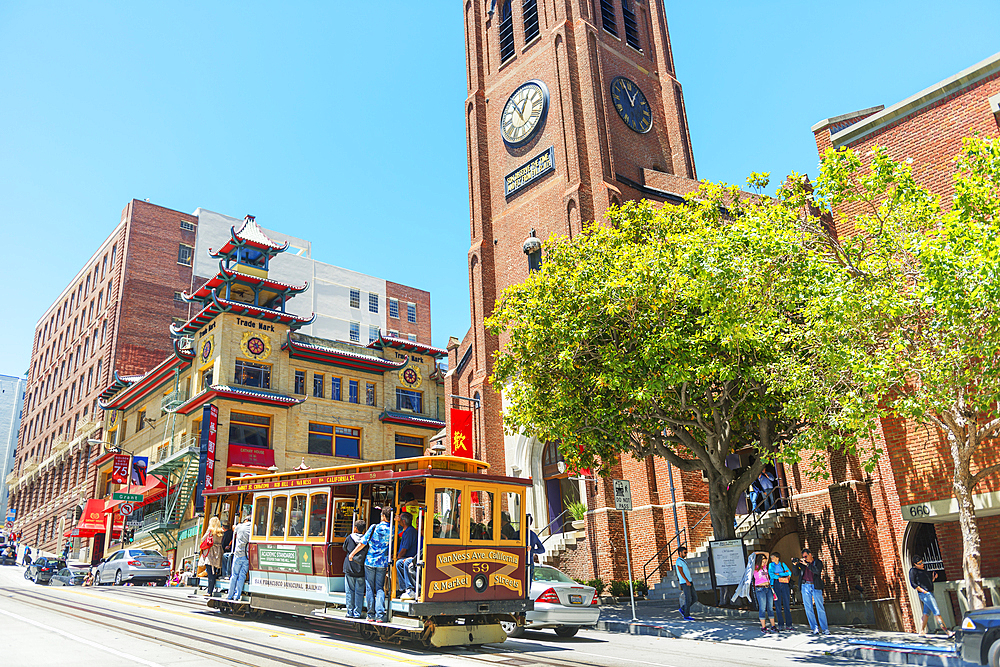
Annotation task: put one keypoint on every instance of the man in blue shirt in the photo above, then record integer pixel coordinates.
(379, 539)
(685, 582)
(407, 552)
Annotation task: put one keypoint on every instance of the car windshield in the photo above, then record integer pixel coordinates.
(137, 553)
(551, 574)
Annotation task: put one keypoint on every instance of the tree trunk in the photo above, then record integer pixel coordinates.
(722, 502)
(971, 555)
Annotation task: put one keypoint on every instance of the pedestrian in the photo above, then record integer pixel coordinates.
(536, 549)
(763, 592)
(211, 551)
(27, 556)
(65, 551)
(407, 552)
(241, 555)
(684, 582)
(227, 548)
(809, 571)
(354, 572)
(378, 539)
(923, 582)
(781, 583)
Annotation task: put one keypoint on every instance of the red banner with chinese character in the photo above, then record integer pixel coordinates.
(120, 469)
(461, 433)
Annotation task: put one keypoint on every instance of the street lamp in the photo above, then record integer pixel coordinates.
(532, 247)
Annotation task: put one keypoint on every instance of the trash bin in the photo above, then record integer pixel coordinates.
(887, 616)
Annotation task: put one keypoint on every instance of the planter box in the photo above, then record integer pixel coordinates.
(579, 525)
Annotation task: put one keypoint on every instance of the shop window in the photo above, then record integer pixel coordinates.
(260, 517)
(447, 513)
(352, 391)
(297, 516)
(329, 440)
(249, 430)
(317, 515)
(481, 515)
(408, 446)
(409, 400)
(279, 516)
(369, 393)
(250, 374)
(300, 382)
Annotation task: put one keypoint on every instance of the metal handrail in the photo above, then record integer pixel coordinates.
(559, 516)
(757, 516)
(645, 576)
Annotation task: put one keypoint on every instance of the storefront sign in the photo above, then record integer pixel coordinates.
(244, 455)
(461, 433)
(525, 175)
(729, 561)
(285, 558)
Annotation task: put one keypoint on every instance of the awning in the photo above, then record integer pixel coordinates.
(153, 489)
(92, 520)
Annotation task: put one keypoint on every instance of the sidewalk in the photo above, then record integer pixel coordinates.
(715, 625)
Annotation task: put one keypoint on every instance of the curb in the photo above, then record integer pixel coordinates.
(902, 657)
(633, 628)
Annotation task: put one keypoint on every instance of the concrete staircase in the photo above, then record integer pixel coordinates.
(556, 545)
(754, 538)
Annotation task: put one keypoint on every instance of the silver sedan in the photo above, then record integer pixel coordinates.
(137, 566)
(560, 603)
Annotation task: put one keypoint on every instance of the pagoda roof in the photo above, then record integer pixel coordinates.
(250, 234)
(242, 394)
(338, 354)
(407, 345)
(204, 292)
(390, 417)
(129, 390)
(218, 305)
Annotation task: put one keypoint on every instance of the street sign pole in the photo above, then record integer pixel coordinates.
(628, 557)
(623, 502)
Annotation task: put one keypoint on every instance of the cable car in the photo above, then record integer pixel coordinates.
(472, 557)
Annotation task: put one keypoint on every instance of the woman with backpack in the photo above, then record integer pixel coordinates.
(211, 551)
(354, 571)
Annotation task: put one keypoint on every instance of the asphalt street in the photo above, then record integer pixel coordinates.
(164, 627)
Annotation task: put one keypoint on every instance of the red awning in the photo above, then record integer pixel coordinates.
(153, 489)
(92, 521)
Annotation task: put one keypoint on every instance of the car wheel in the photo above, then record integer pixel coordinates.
(512, 629)
(567, 630)
(994, 654)
(27, 576)
(118, 578)
(161, 582)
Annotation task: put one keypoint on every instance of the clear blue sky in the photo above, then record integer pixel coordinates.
(342, 122)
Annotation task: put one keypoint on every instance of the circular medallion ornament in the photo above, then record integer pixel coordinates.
(524, 112)
(631, 104)
(206, 349)
(410, 376)
(257, 346)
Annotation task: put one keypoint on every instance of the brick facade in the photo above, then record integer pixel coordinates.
(421, 300)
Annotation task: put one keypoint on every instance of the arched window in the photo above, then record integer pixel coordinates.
(631, 25)
(529, 12)
(506, 32)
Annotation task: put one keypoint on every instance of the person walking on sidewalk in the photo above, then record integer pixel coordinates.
(780, 582)
(685, 583)
(763, 592)
(809, 570)
(922, 581)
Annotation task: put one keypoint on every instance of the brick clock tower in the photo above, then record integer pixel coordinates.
(573, 105)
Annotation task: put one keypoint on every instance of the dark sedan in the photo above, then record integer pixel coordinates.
(68, 577)
(978, 638)
(42, 569)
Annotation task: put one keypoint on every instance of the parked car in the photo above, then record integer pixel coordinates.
(41, 569)
(138, 566)
(978, 638)
(8, 554)
(68, 576)
(560, 603)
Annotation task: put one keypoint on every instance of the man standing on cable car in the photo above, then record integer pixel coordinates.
(379, 539)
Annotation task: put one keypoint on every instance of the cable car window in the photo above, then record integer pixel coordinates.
(278, 516)
(510, 516)
(297, 516)
(447, 513)
(260, 517)
(343, 517)
(481, 515)
(317, 515)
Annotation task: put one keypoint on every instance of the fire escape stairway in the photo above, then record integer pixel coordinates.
(179, 469)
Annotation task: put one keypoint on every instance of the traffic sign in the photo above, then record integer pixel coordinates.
(126, 509)
(131, 497)
(134, 523)
(623, 495)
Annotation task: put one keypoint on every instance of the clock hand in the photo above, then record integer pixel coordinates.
(631, 98)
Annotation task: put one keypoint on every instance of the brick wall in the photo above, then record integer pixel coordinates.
(421, 299)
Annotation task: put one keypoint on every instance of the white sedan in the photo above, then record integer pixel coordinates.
(560, 603)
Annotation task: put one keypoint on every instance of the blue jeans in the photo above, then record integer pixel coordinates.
(765, 601)
(929, 604)
(355, 595)
(227, 565)
(241, 565)
(687, 599)
(812, 596)
(403, 574)
(783, 607)
(375, 592)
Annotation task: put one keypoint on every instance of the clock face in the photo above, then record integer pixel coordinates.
(524, 112)
(631, 105)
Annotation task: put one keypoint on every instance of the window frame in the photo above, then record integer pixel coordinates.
(181, 253)
(298, 374)
(267, 428)
(419, 393)
(373, 302)
(340, 387)
(411, 313)
(354, 332)
(266, 369)
(270, 518)
(354, 298)
(394, 306)
(320, 377)
(309, 512)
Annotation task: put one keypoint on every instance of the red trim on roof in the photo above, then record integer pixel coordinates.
(407, 345)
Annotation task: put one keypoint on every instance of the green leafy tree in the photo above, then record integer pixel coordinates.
(907, 324)
(659, 333)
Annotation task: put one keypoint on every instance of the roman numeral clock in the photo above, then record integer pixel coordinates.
(631, 104)
(524, 113)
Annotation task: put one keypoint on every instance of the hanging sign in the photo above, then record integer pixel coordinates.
(139, 466)
(461, 433)
(120, 469)
(206, 453)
